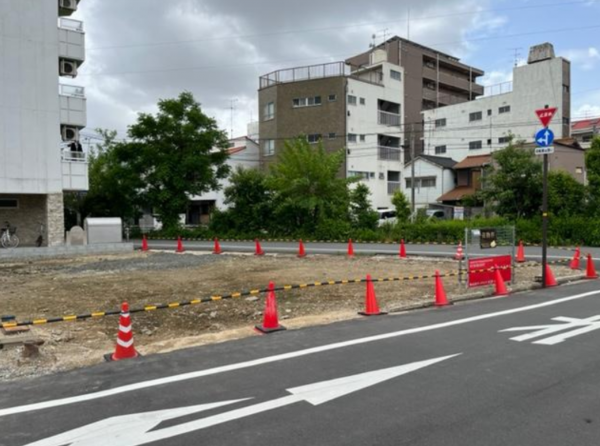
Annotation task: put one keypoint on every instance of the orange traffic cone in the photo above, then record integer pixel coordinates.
(258, 251)
(575, 261)
(521, 253)
(180, 247)
(301, 251)
(501, 289)
(550, 279)
(371, 306)
(459, 252)
(124, 348)
(591, 268)
(350, 248)
(217, 249)
(402, 250)
(270, 319)
(440, 294)
(144, 243)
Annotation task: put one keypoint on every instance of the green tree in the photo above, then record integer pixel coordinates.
(402, 206)
(566, 195)
(250, 204)
(362, 214)
(514, 182)
(307, 187)
(177, 153)
(592, 165)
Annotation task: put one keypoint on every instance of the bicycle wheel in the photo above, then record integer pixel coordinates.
(14, 241)
(3, 242)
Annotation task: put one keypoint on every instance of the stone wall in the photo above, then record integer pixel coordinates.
(27, 217)
(55, 224)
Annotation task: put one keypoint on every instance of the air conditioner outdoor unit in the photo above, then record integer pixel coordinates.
(71, 5)
(69, 133)
(68, 68)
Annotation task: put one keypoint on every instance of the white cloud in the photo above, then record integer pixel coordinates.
(584, 58)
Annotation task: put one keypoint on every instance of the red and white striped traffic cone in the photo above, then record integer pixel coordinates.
(124, 348)
(459, 252)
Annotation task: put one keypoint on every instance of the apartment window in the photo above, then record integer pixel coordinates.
(475, 116)
(314, 138)
(269, 111)
(269, 147)
(363, 138)
(9, 203)
(351, 137)
(440, 150)
(504, 140)
(489, 142)
(306, 102)
(504, 109)
(332, 136)
(440, 122)
(332, 97)
(489, 112)
(360, 174)
(396, 75)
(351, 100)
(394, 184)
(474, 145)
(363, 101)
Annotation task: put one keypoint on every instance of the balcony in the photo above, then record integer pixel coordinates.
(75, 175)
(389, 153)
(393, 187)
(71, 40)
(454, 82)
(73, 107)
(389, 119)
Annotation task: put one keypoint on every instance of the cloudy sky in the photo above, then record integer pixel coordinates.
(140, 51)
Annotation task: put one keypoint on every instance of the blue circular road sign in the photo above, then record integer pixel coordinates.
(544, 138)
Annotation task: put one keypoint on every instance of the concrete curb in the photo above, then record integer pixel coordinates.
(7, 255)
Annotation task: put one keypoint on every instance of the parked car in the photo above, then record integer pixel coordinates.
(436, 214)
(386, 216)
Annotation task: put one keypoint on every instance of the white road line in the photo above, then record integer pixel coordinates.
(280, 357)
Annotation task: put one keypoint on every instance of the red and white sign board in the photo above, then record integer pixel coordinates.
(477, 277)
(545, 115)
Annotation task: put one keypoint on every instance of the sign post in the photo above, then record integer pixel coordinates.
(544, 139)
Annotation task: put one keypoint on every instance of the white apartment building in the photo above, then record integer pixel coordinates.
(40, 118)
(479, 127)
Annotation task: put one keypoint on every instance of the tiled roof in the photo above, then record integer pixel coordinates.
(443, 161)
(457, 193)
(474, 161)
(234, 150)
(585, 124)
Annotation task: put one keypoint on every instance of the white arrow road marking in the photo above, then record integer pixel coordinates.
(275, 358)
(134, 430)
(576, 326)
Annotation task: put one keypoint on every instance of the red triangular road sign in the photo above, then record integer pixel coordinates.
(545, 115)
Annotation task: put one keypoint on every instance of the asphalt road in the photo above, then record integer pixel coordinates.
(531, 253)
(451, 376)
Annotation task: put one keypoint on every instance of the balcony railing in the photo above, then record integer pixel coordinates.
(393, 187)
(76, 157)
(70, 24)
(493, 90)
(334, 69)
(389, 119)
(71, 90)
(389, 153)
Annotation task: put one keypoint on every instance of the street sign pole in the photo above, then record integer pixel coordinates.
(545, 222)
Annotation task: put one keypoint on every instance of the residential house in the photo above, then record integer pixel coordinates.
(433, 177)
(585, 130)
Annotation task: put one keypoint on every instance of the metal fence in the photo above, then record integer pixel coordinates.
(489, 242)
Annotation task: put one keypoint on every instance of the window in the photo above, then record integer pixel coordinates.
(332, 97)
(314, 138)
(440, 122)
(269, 147)
(489, 112)
(566, 89)
(489, 142)
(422, 182)
(439, 150)
(351, 100)
(396, 75)
(363, 175)
(504, 140)
(269, 111)
(428, 182)
(393, 176)
(363, 101)
(474, 145)
(579, 170)
(332, 136)
(475, 116)
(9, 203)
(504, 109)
(566, 121)
(351, 137)
(363, 138)
(306, 102)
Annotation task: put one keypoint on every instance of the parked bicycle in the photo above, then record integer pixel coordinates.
(9, 238)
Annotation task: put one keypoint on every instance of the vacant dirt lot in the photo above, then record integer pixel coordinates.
(51, 288)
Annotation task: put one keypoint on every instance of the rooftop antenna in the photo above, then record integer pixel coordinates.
(383, 34)
(232, 102)
(408, 24)
(517, 52)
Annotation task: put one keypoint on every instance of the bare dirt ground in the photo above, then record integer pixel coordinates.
(58, 287)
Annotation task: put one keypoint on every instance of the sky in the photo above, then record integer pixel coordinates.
(141, 51)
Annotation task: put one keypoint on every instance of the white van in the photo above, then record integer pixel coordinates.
(386, 216)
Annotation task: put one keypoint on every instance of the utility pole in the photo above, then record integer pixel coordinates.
(412, 170)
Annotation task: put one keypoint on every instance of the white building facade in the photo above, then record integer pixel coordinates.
(39, 120)
(433, 177)
(374, 128)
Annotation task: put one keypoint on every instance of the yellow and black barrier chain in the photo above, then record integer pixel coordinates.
(237, 295)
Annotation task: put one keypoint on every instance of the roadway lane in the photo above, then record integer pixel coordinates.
(451, 376)
(532, 253)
